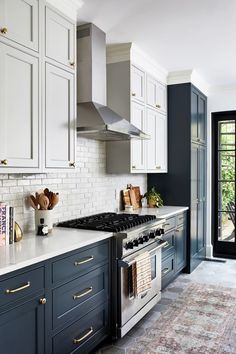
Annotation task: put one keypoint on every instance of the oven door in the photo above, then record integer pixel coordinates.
(130, 305)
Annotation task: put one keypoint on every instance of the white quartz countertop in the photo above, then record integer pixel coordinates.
(162, 212)
(33, 249)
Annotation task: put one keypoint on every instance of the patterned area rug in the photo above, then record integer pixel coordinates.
(201, 321)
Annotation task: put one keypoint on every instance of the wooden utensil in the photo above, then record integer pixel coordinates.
(43, 201)
(46, 192)
(54, 200)
(33, 202)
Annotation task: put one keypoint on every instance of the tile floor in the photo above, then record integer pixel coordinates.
(221, 274)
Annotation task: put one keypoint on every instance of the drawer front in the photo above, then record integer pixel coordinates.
(76, 298)
(169, 224)
(80, 263)
(83, 335)
(170, 238)
(21, 285)
(181, 219)
(167, 270)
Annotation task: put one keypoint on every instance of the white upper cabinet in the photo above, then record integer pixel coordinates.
(138, 146)
(59, 118)
(19, 109)
(19, 21)
(156, 127)
(156, 94)
(137, 84)
(60, 39)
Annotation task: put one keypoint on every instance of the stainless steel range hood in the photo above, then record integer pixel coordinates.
(95, 119)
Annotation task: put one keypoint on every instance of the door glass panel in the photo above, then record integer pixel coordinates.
(226, 228)
(226, 181)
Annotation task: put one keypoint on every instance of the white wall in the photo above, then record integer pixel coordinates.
(87, 190)
(219, 99)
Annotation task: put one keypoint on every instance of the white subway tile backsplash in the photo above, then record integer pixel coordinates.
(86, 190)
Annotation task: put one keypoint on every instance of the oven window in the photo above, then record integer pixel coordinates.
(153, 267)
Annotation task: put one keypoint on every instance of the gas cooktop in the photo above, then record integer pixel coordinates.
(111, 222)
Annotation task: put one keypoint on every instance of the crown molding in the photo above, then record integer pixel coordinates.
(131, 52)
(185, 76)
(67, 7)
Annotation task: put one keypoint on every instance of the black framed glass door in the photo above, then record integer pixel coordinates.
(223, 186)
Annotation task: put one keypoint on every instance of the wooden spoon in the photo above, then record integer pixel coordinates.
(33, 202)
(54, 200)
(43, 201)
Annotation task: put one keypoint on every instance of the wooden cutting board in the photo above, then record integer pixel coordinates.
(138, 196)
(126, 197)
(133, 198)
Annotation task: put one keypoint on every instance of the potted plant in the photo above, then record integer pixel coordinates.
(153, 198)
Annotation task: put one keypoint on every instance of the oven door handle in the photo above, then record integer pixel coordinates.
(126, 264)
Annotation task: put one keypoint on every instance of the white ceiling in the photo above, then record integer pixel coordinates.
(178, 34)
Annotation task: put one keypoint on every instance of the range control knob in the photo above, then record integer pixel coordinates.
(158, 232)
(145, 238)
(162, 231)
(135, 242)
(152, 234)
(130, 245)
(140, 240)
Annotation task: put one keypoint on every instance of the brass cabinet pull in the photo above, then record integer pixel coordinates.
(13, 291)
(4, 30)
(76, 341)
(72, 164)
(133, 166)
(4, 162)
(177, 230)
(165, 270)
(158, 167)
(43, 301)
(86, 260)
(133, 94)
(86, 292)
(158, 105)
(166, 225)
(181, 218)
(167, 245)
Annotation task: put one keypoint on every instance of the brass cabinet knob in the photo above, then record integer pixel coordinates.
(43, 301)
(4, 30)
(72, 63)
(72, 164)
(4, 162)
(158, 105)
(133, 94)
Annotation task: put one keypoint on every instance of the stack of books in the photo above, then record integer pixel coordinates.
(7, 224)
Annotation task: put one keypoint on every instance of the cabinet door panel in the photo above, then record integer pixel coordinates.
(201, 196)
(202, 119)
(137, 84)
(151, 91)
(20, 17)
(180, 244)
(19, 107)
(138, 146)
(157, 145)
(22, 329)
(161, 99)
(194, 199)
(60, 118)
(194, 115)
(59, 38)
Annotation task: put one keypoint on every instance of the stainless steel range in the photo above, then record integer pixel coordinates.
(134, 235)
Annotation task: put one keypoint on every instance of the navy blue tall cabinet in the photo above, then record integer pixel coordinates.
(185, 182)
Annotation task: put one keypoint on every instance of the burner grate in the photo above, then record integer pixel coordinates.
(111, 222)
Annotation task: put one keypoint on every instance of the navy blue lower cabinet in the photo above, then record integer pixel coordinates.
(83, 335)
(22, 328)
(180, 247)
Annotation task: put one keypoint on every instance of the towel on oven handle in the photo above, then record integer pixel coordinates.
(141, 274)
